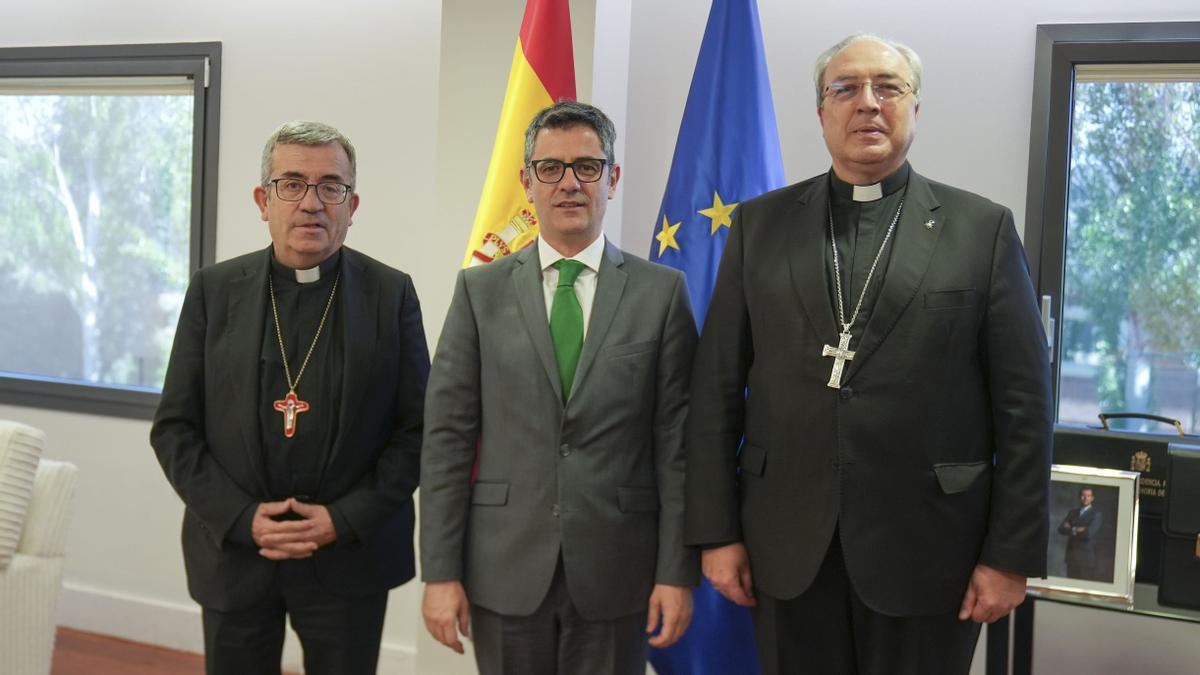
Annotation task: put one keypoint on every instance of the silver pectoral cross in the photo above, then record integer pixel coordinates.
(841, 354)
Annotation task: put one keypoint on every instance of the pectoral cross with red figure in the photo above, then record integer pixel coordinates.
(290, 406)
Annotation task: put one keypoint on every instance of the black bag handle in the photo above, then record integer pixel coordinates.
(1105, 417)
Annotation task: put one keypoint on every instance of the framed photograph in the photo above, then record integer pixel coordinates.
(1093, 533)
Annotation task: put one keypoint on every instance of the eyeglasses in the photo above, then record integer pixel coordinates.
(587, 170)
(885, 92)
(294, 189)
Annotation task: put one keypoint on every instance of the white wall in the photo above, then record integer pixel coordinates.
(417, 86)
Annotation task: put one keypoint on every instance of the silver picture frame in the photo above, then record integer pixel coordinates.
(1093, 521)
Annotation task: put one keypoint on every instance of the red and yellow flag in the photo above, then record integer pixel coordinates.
(542, 73)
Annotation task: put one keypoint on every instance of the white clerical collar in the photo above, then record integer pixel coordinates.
(308, 276)
(589, 256)
(867, 193)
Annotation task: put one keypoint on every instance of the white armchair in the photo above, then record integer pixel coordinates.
(35, 500)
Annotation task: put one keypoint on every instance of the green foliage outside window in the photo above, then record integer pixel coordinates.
(95, 209)
(1131, 334)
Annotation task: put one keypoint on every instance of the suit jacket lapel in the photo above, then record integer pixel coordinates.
(610, 285)
(912, 251)
(527, 282)
(809, 219)
(359, 304)
(245, 323)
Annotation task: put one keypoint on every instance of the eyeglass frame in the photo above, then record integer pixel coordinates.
(308, 186)
(533, 168)
(873, 86)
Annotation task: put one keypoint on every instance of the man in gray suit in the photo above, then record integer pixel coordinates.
(561, 375)
(1081, 527)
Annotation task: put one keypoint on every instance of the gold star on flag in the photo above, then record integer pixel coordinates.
(666, 236)
(719, 212)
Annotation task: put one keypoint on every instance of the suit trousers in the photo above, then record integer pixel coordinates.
(556, 640)
(340, 636)
(828, 629)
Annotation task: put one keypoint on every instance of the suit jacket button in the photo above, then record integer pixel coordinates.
(846, 392)
(556, 511)
(564, 450)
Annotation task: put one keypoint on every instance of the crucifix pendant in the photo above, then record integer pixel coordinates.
(290, 406)
(841, 354)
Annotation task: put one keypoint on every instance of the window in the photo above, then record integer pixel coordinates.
(108, 162)
(1113, 220)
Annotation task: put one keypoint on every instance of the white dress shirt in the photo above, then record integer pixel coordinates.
(585, 285)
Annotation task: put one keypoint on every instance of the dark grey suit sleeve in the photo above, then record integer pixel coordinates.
(1016, 357)
(677, 564)
(717, 403)
(381, 492)
(178, 435)
(452, 426)
(1067, 526)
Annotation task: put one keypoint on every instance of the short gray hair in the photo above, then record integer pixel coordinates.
(565, 114)
(305, 133)
(914, 62)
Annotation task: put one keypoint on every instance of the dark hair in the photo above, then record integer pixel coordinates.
(566, 114)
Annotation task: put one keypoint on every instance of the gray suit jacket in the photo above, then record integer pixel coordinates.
(599, 479)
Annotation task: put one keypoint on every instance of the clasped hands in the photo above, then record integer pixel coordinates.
(991, 593)
(291, 539)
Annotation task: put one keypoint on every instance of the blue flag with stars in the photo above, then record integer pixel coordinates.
(727, 151)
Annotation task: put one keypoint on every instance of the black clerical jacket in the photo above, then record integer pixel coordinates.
(932, 455)
(207, 438)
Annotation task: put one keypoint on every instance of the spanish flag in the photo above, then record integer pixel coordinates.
(542, 73)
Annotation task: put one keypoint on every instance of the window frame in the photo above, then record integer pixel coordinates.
(1059, 49)
(201, 62)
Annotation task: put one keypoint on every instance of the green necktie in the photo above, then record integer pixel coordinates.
(566, 323)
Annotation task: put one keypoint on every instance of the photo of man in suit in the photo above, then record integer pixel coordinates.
(290, 425)
(1083, 528)
(552, 467)
(869, 427)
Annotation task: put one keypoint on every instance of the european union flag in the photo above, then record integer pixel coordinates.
(727, 151)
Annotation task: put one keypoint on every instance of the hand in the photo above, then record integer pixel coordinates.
(292, 539)
(728, 569)
(320, 524)
(446, 609)
(278, 539)
(991, 594)
(673, 605)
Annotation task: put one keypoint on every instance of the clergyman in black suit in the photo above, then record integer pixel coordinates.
(869, 431)
(1082, 528)
(290, 425)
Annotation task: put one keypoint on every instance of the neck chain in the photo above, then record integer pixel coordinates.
(291, 405)
(841, 354)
